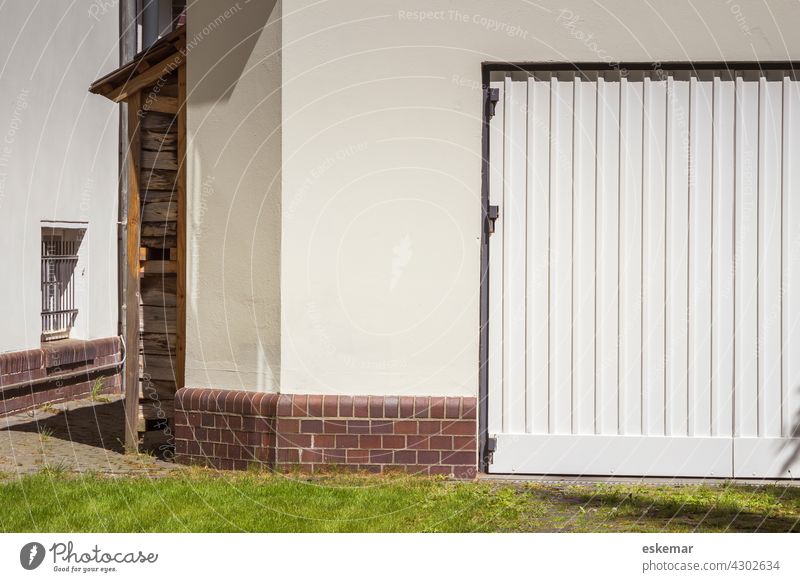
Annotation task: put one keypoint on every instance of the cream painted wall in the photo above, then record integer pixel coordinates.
(233, 185)
(380, 175)
(58, 158)
(380, 268)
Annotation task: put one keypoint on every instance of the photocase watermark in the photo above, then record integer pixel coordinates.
(473, 84)
(315, 317)
(153, 94)
(66, 558)
(402, 252)
(320, 170)
(179, 58)
(150, 391)
(736, 11)
(206, 191)
(31, 555)
(87, 194)
(99, 8)
(20, 105)
(200, 208)
(214, 24)
(490, 24)
(422, 15)
(6, 147)
(569, 20)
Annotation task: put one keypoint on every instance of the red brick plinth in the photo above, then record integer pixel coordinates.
(232, 429)
(57, 372)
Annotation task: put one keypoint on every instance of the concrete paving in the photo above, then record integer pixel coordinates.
(83, 436)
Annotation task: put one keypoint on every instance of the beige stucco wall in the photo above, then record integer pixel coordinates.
(380, 175)
(58, 159)
(381, 253)
(233, 184)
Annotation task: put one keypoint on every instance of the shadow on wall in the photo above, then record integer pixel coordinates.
(222, 37)
(234, 193)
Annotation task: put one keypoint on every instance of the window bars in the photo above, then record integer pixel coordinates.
(59, 259)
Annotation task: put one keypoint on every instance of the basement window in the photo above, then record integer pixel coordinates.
(60, 257)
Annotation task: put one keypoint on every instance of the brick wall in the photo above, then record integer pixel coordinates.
(39, 369)
(230, 429)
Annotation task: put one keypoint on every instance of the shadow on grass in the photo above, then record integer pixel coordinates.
(732, 508)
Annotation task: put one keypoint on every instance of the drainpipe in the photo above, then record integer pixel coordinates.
(127, 50)
(149, 23)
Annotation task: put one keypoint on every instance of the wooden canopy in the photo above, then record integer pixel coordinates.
(153, 85)
(146, 68)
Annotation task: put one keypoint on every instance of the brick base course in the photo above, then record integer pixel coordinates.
(39, 368)
(232, 429)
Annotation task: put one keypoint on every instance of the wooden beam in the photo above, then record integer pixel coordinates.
(159, 291)
(160, 344)
(159, 159)
(161, 124)
(180, 339)
(132, 286)
(159, 368)
(157, 409)
(159, 229)
(158, 319)
(161, 104)
(159, 141)
(180, 44)
(152, 267)
(150, 76)
(158, 179)
(159, 211)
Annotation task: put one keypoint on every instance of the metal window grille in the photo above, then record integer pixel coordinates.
(59, 259)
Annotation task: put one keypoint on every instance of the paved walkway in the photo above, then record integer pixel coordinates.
(80, 437)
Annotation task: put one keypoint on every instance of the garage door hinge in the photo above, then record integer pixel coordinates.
(491, 447)
(492, 215)
(492, 97)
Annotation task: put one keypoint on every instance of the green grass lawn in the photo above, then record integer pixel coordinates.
(206, 501)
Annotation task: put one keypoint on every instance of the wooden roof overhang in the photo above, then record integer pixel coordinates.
(160, 60)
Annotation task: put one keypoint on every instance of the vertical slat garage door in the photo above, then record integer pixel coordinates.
(645, 274)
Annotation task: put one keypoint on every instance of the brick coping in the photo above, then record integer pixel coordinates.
(231, 429)
(38, 371)
(57, 353)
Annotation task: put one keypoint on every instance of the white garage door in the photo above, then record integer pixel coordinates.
(645, 274)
